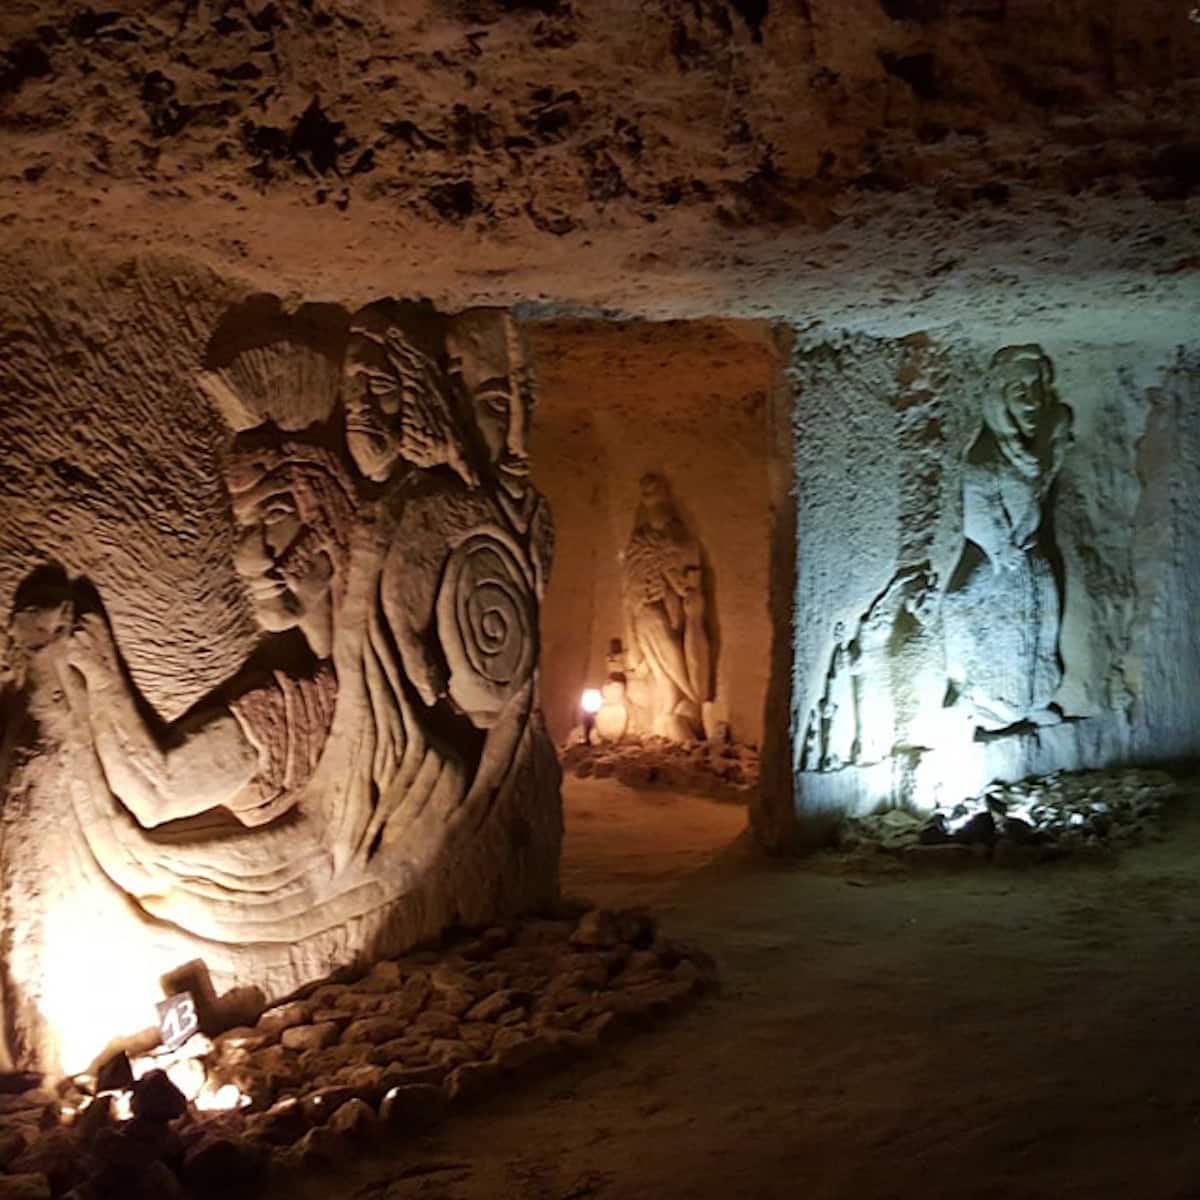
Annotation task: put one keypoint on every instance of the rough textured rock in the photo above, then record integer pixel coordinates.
(687, 156)
(719, 769)
(601, 975)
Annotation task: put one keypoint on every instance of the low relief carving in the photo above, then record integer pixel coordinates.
(994, 628)
(1003, 604)
(669, 666)
(394, 558)
(861, 714)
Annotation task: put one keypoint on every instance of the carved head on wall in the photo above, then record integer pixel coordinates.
(293, 508)
(656, 506)
(1021, 391)
(398, 408)
(489, 364)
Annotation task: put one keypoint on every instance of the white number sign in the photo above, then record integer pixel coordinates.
(177, 1019)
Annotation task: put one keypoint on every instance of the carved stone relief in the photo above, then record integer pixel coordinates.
(669, 660)
(1003, 603)
(358, 783)
(862, 715)
(985, 645)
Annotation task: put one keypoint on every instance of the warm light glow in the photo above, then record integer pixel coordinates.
(84, 999)
(591, 700)
(220, 1099)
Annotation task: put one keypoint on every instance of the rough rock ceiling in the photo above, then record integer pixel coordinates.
(872, 163)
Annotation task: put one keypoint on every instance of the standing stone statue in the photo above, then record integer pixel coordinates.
(665, 608)
(1002, 606)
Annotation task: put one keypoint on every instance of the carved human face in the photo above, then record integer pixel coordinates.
(284, 571)
(485, 357)
(285, 557)
(1024, 395)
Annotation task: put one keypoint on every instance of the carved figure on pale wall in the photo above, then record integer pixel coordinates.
(315, 808)
(669, 669)
(863, 711)
(1002, 608)
(994, 629)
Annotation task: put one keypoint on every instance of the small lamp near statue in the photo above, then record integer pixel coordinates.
(590, 704)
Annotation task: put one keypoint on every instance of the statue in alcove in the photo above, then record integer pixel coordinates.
(664, 591)
(1002, 607)
(296, 817)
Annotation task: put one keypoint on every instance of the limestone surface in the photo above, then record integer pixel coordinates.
(349, 782)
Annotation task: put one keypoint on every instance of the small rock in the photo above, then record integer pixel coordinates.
(311, 1037)
(241, 1038)
(398, 1076)
(980, 830)
(597, 928)
(218, 1166)
(450, 1053)
(286, 1016)
(339, 1016)
(1019, 832)
(447, 978)
(281, 1125)
(519, 1054)
(415, 1107)
(156, 1098)
(321, 1146)
(116, 1074)
(361, 1004)
(375, 1029)
(366, 1081)
(437, 1024)
(934, 831)
(320, 1105)
(315, 1063)
(473, 1081)
(492, 1007)
(455, 1001)
(355, 1120)
(386, 976)
(409, 1000)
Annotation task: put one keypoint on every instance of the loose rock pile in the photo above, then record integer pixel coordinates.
(1092, 812)
(720, 769)
(351, 1064)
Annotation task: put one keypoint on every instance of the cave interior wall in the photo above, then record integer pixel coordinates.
(884, 430)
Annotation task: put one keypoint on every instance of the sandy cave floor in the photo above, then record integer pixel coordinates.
(983, 1033)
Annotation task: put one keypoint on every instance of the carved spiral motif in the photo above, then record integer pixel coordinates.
(486, 614)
